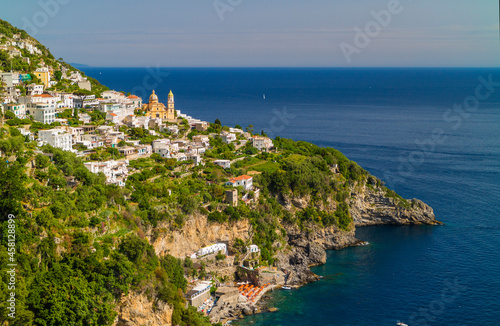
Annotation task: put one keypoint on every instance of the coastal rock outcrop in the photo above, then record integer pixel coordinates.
(370, 206)
(197, 233)
(308, 248)
(136, 310)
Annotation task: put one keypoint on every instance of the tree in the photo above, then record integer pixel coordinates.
(217, 122)
(57, 75)
(9, 115)
(133, 247)
(250, 129)
(41, 161)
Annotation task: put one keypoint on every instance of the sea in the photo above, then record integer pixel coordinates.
(429, 133)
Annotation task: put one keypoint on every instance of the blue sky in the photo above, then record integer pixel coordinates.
(263, 32)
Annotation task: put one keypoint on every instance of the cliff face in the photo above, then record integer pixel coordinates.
(196, 233)
(136, 310)
(308, 248)
(369, 206)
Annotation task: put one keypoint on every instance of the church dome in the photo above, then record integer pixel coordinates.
(153, 98)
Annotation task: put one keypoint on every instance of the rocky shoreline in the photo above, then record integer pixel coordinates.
(309, 246)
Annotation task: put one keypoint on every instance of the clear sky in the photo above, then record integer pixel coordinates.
(305, 33)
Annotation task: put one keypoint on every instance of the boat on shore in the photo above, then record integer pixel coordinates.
(286, 287)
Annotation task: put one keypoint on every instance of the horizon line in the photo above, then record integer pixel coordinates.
(289, 67)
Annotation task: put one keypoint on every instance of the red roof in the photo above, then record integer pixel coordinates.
(43, 95)
(113, 114)
(132, 96)
(240, 178)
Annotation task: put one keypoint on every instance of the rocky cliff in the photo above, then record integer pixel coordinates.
(306, 245)
(136, 310)
(196, 233)
(371, 206)
(368, 205)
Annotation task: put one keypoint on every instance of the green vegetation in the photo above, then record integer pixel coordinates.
(81, 243)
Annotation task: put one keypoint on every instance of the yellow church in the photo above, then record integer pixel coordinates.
(155, 109)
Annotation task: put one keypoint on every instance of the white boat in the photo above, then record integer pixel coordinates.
(286, 287)
(401, 324)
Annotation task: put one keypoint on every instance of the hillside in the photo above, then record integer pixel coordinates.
(90, 252)
(22, 53)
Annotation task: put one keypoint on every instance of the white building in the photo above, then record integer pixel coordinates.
(77, 133)
(225, 164)
(253, 248)
(116, 172)
(44, 99)
(43, 113)
(66, 101)
(218, 247)
(84, 117)
(262, 143)
(109, 107)
(57, 138)
(228, 138)
(199, 294)
(18, 109)
(244, 180)
(34, 89)
(201, 140)
(196, 158)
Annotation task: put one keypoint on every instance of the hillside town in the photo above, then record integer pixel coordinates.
(113, 121)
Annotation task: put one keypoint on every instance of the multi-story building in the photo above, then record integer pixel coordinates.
(262, 143)
(18, 109)
(34, 89)
(44, 75)
(58, 138)
(245, 181)
(228, 138)
(116, 172)
(43, 113)
(225, 164)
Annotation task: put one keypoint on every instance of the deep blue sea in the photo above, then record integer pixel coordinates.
(432, 134)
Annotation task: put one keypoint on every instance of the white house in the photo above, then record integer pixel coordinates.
(228, 138)
(84, 117)
(77, 133)
(194, 157)
(43, 113)
(109, 107)
(253, 248)
(58, 138)
(44, 99)
(201, 140)
(34, 89)
(116, 172)
(262, 143)
(244, 180)
(213, 249)
(18, 109)
(225, 164)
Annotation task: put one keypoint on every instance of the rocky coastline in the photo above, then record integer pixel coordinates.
(305, 246)
(368, 207)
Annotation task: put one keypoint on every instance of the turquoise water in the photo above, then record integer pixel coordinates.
(446, 275)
